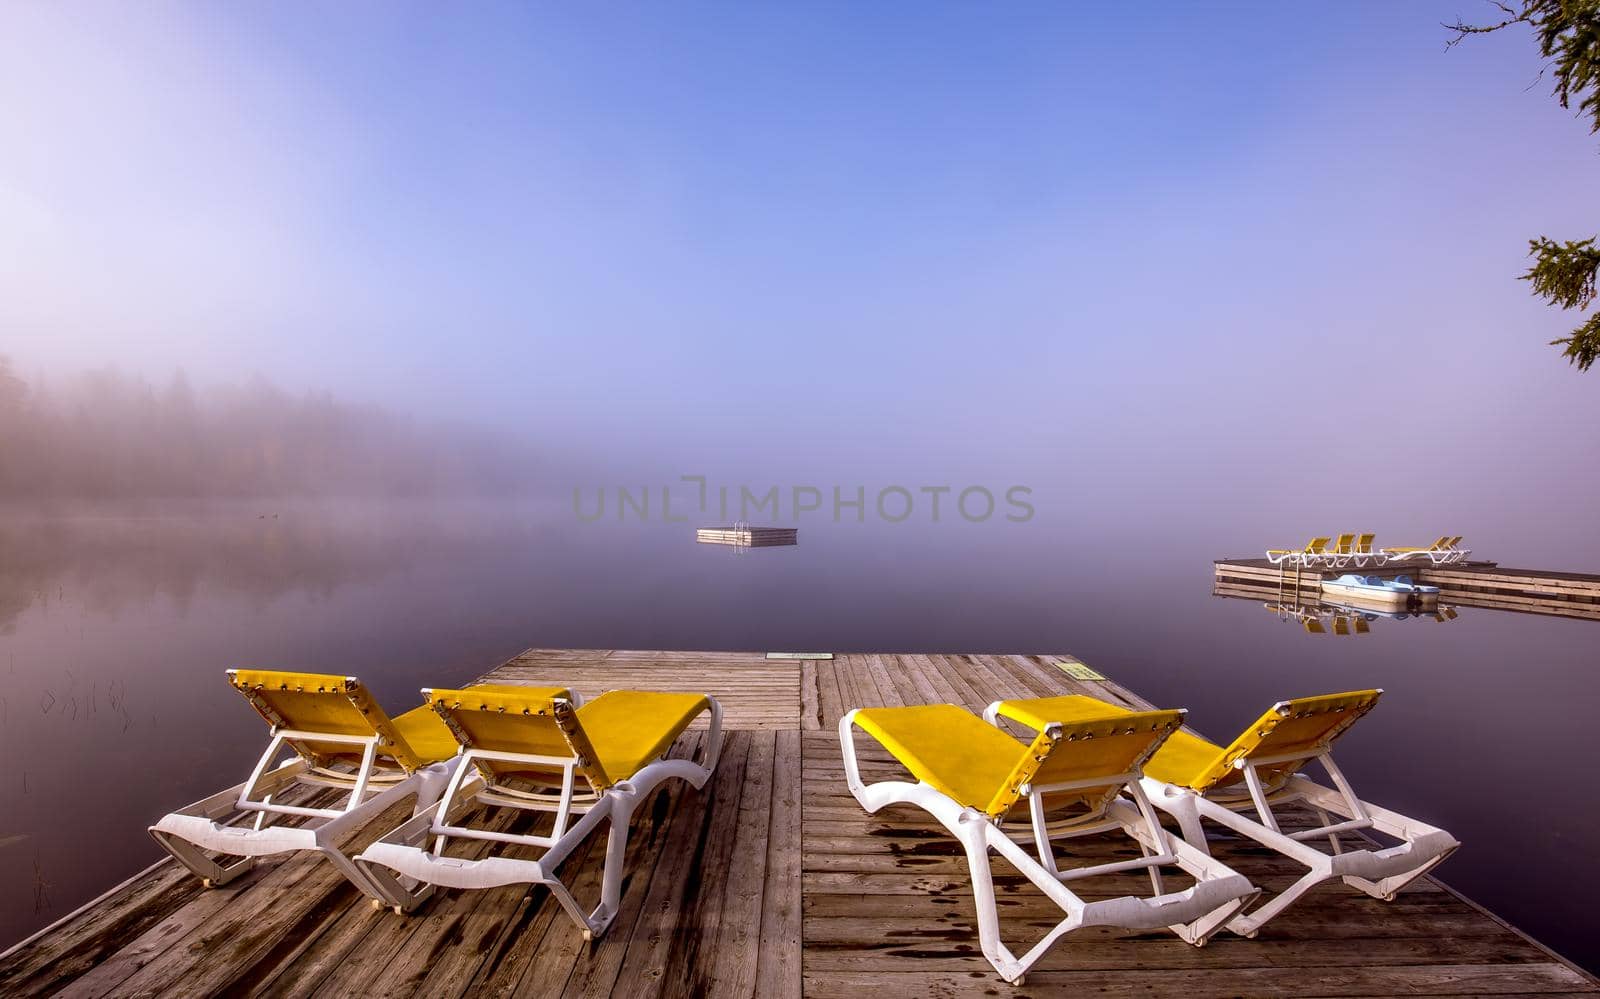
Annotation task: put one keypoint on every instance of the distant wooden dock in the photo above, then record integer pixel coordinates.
(1468, 584)
(748, 537)
(770, 882)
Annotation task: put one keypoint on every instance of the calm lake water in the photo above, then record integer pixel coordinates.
(115, 630)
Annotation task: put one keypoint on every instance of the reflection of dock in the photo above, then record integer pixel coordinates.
(747, 536)
(1469, 584)
(771, 881)
(1325, 617)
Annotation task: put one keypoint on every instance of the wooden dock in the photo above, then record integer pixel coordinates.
(770, 882)
(1469, 584)
(745, 536)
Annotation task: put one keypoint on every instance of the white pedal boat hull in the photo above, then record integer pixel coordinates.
(1376, 596)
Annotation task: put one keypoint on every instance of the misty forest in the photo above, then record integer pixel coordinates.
(109, 435)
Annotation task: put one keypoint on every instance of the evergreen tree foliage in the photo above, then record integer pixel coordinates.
(1568, 33)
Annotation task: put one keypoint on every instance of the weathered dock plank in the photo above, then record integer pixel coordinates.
(756, 693)
(771, 881)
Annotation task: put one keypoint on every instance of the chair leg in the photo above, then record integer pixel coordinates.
(978, 837)
(598, 921)
(362, 880)
(1389, 887)
(211, 873)
(1203, 867)
(1250, 923)
(1181, 807)
(974, 840)
(397, 891)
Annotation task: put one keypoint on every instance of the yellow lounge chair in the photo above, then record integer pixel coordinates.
(1342, 552)
(970, 775)
(532, 748)
(1457, 553)
(340, 738)
(1364, 553)
(1193, 779)
(1438, 553)
(1315, 549)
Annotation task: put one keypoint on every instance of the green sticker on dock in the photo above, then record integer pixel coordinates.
(1078, 671)
(799, 655)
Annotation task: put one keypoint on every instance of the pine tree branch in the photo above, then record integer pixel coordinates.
(1583, 346)
(1568, 32)
(1564, 273)
(1463, 29)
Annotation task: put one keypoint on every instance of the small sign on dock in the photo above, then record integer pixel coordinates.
(1078, 671)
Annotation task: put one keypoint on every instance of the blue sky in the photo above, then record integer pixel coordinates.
(806, 240)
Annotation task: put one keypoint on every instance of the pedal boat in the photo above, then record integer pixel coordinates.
(1401, 592)
(1425, 594)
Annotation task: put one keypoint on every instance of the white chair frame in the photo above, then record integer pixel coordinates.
(1380, 873)
(1375, 556)
(1437, 556)
(213, 823)
(1301, 558)
(1194, 914)
(403, 851)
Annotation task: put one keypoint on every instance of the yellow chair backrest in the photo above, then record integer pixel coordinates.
(1300, 729)
(1441, 544)
(1345, 545)
(1082, 750)
(1314, 626)
(534, 721)
(1454, 542)
(1364, 544)
(1317, 546)
(327, 703)
(1340, 625)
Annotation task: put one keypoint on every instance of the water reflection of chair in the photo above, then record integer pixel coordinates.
(1308, 618)
(1317, 618)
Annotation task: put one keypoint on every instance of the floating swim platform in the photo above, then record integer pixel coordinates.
(747, 536)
